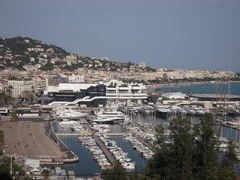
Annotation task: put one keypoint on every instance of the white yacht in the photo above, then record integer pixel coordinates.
(163, 110)
(128, 165)
(67, 113)
(110, 119)
(190, 111)
(111, 114)
(67, 123)
(201, 111)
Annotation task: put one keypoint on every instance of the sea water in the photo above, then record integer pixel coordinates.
(140, 162)
(87, 166)
(212, 88)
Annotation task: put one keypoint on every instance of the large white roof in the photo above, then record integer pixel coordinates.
(34, 163)
(68, 123)
(73, 87)
(175, 95)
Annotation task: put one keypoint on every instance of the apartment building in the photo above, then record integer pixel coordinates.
(19, 86)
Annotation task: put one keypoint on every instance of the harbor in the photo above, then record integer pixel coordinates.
(104, 149)
(83, 142)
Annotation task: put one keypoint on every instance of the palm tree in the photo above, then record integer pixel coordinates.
(9, 94)
(9, 90)
(14, 114)
(45, 174)
(33, 93)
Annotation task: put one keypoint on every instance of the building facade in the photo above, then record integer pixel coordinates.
(19, 86)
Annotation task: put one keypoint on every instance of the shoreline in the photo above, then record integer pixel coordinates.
(178, 84)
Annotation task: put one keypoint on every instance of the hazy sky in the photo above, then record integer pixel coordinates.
(186, 34)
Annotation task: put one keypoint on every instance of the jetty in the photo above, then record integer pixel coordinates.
(231, 126)
(150, 146)
(107, 153)
(116, 133)
(71, 174)
(68, 134)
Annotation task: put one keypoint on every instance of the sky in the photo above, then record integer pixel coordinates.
(182, 34)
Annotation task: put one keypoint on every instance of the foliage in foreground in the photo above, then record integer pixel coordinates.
(5, 169)
(190, 153)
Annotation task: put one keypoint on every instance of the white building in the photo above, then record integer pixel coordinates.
(75, 78)
(3, 84)
(116, 91)
(125, 92)
(174, 95)
(142, 64)
(20, 86)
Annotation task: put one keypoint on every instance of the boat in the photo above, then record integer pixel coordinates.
(201, 111)
(98, 119)
(109, 114)
(128, 165)
(79, 141)
(235, 122)
(109, 117)
(67, 113)
(191, 111)
(145, 110)
(67, 123)
(163, 110)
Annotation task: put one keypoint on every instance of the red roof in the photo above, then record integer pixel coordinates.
(2, 80)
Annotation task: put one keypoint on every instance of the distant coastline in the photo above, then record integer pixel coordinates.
(167, 85)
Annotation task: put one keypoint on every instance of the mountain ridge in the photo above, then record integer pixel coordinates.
(25, 53)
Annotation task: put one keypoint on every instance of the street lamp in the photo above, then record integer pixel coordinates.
(11, 165)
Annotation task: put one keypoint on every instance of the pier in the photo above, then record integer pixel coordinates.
(147, 144)
(231, 126)
(108, 154)
(150, 146)
(68, 134)
(78, 134)
(116, 133)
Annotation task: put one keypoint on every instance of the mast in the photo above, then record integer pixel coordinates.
(216, 92)
(229, 93)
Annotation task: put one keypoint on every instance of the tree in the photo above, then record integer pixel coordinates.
(5, 169)
(9, 94)
(14, 114)
(5, 98)
(27, 95)
(1, 142)
(229, 158)
(173, 157)
(189, 153)
(182, 148)
(117, 173)
(45, 174)
(205, 156)
(9, 90)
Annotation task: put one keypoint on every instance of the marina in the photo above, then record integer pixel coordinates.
(87, 166)
(129, 90)
(140, 162)
(97, 139)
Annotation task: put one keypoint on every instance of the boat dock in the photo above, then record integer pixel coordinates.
(78, 135)
(145, 143)
(116, 133)
(231, 126)
(150, 146)
(68, 134)
(71, 174)
(108, 154)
